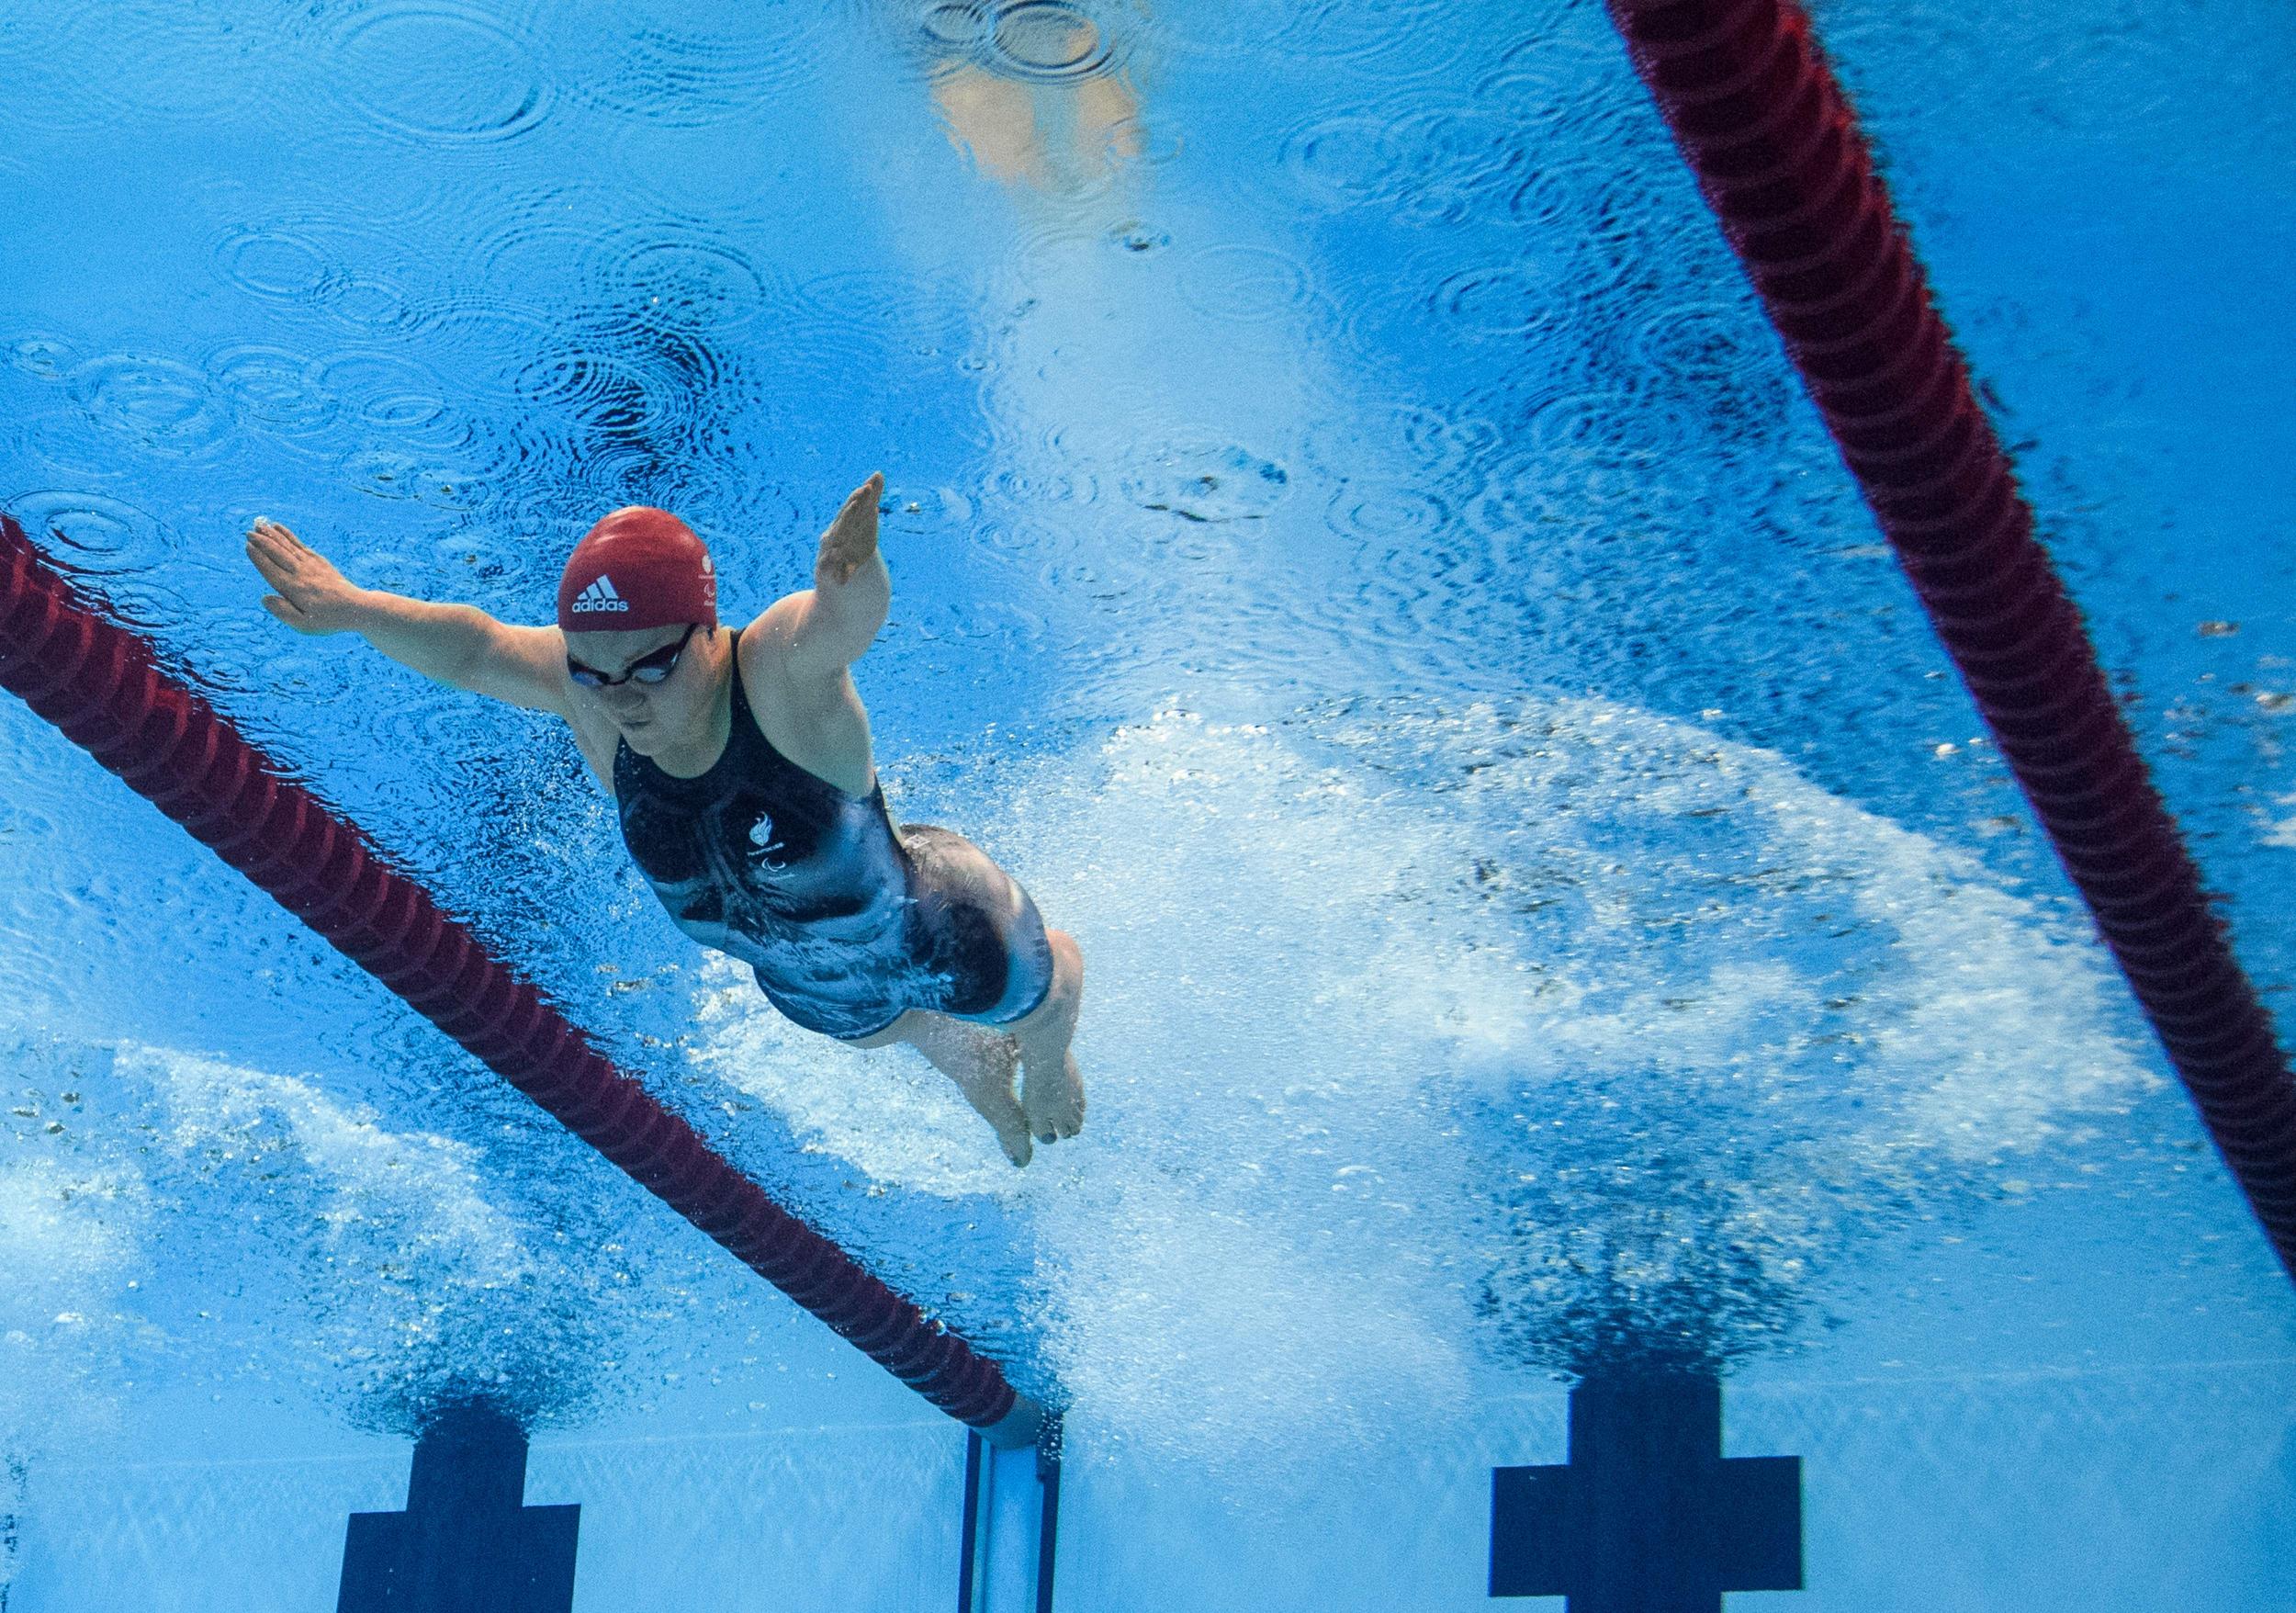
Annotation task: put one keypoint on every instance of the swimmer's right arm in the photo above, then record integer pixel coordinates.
(457, 644)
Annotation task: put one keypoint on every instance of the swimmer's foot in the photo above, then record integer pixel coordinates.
(986, 1083)
(981, 1063)
(1012, 1129)
(1002, 1111)
(1055, 1108)
(1051, 1087)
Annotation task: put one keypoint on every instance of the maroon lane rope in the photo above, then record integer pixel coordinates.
(102, 686)
(1757, 114)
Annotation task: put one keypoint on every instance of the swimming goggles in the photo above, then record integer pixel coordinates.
(647, 669)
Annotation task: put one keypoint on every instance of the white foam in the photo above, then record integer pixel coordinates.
(890, 1114)
(68, 1233)
(402, 1271)
(386, 1197)
(1312, 984)
(2282, 832)
(72, 1234)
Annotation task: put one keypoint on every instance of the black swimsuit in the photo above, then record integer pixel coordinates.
(846, 924)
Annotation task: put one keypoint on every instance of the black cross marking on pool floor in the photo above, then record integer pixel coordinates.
(1648, 1516)
(466, 1542)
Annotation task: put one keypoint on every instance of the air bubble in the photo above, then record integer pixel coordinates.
(48, 357)
(1345, 161)
(439, 72)
(1046, 40)
(272, 263)
(358, 300)
(954, 26)
(1208, 486)
(94, 533)
(1509, 300)
(165, 407)
(693, 284)
(1250, 284)
(274, 388)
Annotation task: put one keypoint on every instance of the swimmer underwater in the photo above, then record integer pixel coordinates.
(740, 766)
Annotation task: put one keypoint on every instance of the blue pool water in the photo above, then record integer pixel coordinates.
(1362, 559)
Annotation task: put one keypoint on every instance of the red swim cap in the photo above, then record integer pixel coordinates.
(638, 567)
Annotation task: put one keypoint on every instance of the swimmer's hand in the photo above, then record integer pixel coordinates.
(851, 543)
(312, 597)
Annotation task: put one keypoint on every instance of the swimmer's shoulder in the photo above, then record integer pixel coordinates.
(762, 653)
(816, 722)
(762, 648)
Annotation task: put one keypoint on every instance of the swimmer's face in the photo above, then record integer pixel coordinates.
(650, 715)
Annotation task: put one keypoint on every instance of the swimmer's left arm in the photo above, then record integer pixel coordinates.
(830, 624)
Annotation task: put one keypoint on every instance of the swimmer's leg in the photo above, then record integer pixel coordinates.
(1051, 1088)
(979, 1060)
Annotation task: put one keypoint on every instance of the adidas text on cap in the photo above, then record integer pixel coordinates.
(599, 596)
(638, 567)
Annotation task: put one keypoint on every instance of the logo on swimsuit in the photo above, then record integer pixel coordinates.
(600, 596)
(762, 837)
